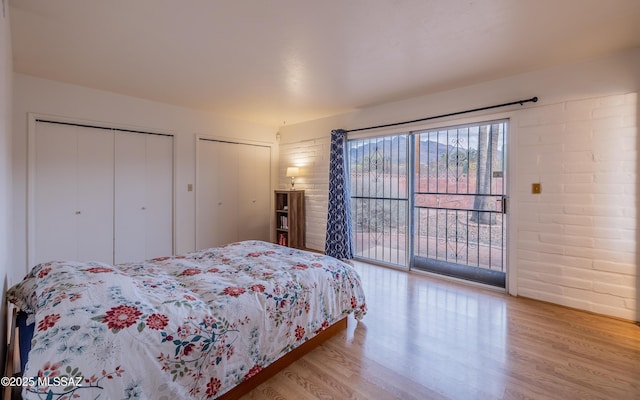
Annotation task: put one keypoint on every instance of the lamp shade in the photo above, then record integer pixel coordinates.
(292, 171)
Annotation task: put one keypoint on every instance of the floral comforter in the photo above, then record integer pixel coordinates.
(183, 327)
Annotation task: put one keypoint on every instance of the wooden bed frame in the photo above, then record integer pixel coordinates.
(284, 361)
(12, 365)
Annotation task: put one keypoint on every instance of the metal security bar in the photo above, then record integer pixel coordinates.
(379, 198)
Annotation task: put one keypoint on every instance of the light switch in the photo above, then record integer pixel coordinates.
(190, 187)
(536, 188)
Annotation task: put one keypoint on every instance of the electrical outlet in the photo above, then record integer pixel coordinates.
(536, 188)
(190, 187)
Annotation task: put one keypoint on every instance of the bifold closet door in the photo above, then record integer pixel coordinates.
(143, 196)
(73, 194)
(233, 193)
(216, 203)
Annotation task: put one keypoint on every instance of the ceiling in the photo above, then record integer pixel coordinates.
(286, 61)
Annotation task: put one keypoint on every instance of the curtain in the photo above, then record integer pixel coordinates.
(338, 240)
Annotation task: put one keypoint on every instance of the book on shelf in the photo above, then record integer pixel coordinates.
(282, 239)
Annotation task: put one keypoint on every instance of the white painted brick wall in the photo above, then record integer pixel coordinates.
(577, 240)
(312, 157)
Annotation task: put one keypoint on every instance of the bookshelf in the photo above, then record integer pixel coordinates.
(290, 219)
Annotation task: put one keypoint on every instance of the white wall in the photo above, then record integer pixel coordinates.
(576, 243)
(6, 69)
(59, 99)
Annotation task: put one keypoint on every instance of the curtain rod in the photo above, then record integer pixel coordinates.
(521, 102)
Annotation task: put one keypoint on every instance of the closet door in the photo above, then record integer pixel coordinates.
(216, 203)
(143, 196)
(254, 195)
(95, 194)
(72, 199)
(159, 196)
(226, 203)
(233, 193)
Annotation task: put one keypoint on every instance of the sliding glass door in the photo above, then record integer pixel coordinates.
(433, 200)
(459, 200)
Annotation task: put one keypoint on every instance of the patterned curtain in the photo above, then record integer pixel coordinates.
(338, 241)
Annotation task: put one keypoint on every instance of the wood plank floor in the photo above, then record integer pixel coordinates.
(425, 338)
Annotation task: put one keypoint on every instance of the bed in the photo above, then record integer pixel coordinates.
(195, 326)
